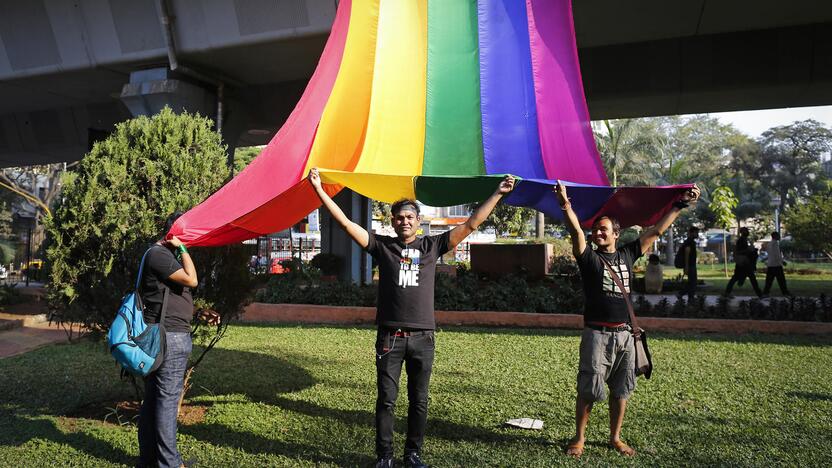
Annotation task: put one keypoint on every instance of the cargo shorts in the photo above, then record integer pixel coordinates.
(606, 357)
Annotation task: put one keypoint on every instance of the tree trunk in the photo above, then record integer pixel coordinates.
(671, 251)
(725, 250)
(539, 228)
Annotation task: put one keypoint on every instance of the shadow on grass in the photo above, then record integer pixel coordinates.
(811, 396)
(22, 427)
(261, 377)
(220, 435)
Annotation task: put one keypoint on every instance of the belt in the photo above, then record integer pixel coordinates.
(602, 328)
(406, 333)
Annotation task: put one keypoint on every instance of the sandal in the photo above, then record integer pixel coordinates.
(575, 449)
(622, 448)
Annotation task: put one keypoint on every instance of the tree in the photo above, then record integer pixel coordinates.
(619, 141)
(508, 219)
(722, 205)
(810, 222)
(114, 206)
(244, 155)
(790, 160)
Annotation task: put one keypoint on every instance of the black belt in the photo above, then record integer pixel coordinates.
(406, 333)
(602, 328)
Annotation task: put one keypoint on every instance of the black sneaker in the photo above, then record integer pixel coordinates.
(412, 460)
(384, 462)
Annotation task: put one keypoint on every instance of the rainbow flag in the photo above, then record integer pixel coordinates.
(434, 100)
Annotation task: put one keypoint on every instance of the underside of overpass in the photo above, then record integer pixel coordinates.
(70, 70)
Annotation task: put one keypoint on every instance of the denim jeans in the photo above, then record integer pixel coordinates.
(157, 418)
(416, 352)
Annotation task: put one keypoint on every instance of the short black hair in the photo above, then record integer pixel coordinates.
(693, 229)
(616, 226)
(744, 231)
(775, 235)
(404, 203)
(170, 221)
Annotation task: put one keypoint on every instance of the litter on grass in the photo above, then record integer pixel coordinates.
(526, 423)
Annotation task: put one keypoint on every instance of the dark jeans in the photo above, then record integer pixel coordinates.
(157, 418)
(417, 353)
(740, 273)
(690, 286)
(776, 272)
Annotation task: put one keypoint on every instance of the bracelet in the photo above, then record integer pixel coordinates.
(565, 206)
(680, 204)
(183, 249)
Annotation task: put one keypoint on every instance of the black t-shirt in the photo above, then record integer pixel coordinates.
(603, 299)
(406, 275)
(159, 265)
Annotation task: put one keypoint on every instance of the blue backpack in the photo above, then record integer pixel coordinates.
(139, 347)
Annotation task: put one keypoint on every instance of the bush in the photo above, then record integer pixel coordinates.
(114, 206)
(464, 292)
(329, 264)
(9, 294)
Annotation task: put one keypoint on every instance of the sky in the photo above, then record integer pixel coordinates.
(754, 123)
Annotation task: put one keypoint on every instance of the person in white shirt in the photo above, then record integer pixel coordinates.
(774, 266)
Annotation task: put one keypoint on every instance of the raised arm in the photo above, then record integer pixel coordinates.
(358, 233)
(573, 225)
(653, 232)
(459, 233)
(185, 276)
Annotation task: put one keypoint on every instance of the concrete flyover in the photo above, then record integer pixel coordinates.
(70, 70)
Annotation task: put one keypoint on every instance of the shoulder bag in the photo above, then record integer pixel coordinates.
(644, 361)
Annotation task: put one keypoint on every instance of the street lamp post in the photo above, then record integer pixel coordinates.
(775, 200)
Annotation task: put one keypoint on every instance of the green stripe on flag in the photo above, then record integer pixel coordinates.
(449, 191)
(453, 121)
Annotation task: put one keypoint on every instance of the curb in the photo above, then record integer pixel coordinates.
(346, 315)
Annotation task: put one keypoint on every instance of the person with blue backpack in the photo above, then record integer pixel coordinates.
(165, 288)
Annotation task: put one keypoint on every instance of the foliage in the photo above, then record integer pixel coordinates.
(116, 204)
(790, 160)
(507, 219)
(329, 264)
(463, 292)
(801, 309)
(620, 142)
(5, 220)
(243, 156)
(9, 294)
(810, 222)
(382, 212)
(38, 186)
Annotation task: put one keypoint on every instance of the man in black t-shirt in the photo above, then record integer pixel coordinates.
(168, 268)
(745, 259)
(405, 315)
(690, 263)
(607, 354)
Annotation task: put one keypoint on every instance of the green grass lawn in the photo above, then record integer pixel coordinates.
(301, 396)
(800, 285)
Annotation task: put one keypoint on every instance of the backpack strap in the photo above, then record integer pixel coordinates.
(165, 295)
(620, 284)
(141, 267)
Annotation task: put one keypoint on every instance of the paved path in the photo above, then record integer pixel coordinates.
(22, 333)
(24, 325)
